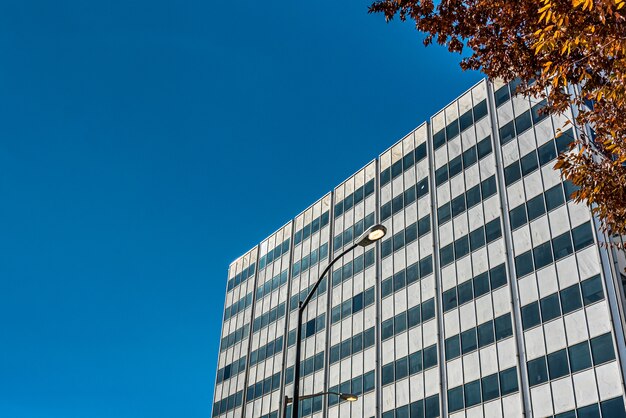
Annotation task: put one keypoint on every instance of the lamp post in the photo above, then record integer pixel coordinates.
(370, 236)
(343, 396)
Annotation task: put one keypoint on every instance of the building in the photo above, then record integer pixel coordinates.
(490, 296)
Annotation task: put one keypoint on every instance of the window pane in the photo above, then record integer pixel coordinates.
(537, 371)
(452, 130)
(592, 290)
(455, 399)
(423, 225)
(469, 157)
(524, 264)
(387, 373)
(502, 95)
(488, 187)
(428, 309)
(441, 175)
(562, 246)
(536, 207)
(466, 120)
(547, 153)
(554, 197)
(507, 133)
(430, 356)
(491, 389)
(453, 347)
(550, 307)
(508, 381)
(590, 411)
(481, 284)
(415, 362)
(439, 139)
(497, 276)
(368, 381)
(512, 173)
(504, 328)
(530, 315)
(458, 205)
(455, 166)
(602, 349)
(477, 238)
(447, 255)
(465, 292)
(400, 323)
(472, 393)
(449, 299)
(484, 147)
(518, 216)
(387, 329)
(529, 163)
(387, 287)
(493, 230)
(557, 364)
(402, 368)
(579, 356)
(543, 255)
(485, 334)
(570, 299)
(480, 110)
(523, 122)
(468, 341)
(582, 236)
(444, 213)
(613, 408)
(473, 196)
(537, 114)
(461, 247)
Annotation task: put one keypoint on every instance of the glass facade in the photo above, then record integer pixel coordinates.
(490, 295)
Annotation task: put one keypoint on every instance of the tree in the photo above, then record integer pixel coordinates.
(550, 46)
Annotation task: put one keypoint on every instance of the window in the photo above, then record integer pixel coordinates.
(484, 147)
(485, 334)
(492, 230)
(602, 349)
(523, 122)
(439, 139)
(447, 254)
(455, 166)
(469, 157)
(455, 399)
(550, 307)
(465, 292)
(554, 197)
(503, 326)
(580, 357)
(524, 264)
(543, 255)
(468, 340)
(402, 368)
(512, 173)
(537, 114)
(368, 381)
(508, 381)
(473, 196)
(529, 163)
(423, 225)
(546, 152)
(441, 174)
(453, 347)
(477, 238)
(518, 216)
(502, 95)
(530, 315)
(488, 187)
(592, 290)
(497, 276)
(480, 110)
(472, 393)
(562, 246)
(557, 364)
(452, 130)
(387, 373)
(570, 299)
(582, 236)
(536, 207)
(458, 205)
(415, 362)
(507, 133)
(491, 389)
(430, 356)
(481, 284)
(613, 408)
(387, 329)
(461, 247)
(537, 371)
(444, 213)
(449, 299)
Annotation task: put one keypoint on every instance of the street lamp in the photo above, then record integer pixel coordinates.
(370, 236)
(343, 396)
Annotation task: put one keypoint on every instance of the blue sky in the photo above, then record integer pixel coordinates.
(146, 144)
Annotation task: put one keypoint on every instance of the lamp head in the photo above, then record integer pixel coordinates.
(348, 397)
(372, 235)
